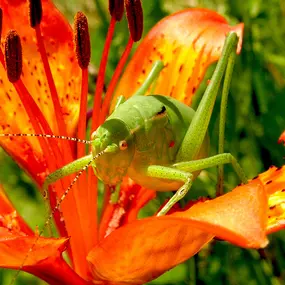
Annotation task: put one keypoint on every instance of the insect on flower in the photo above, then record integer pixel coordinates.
(157, 141)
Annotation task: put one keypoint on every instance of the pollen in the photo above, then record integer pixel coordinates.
(10, 222)
(82, 40)
(116, 9)
(35, 12)
(13, 56)
(135, 18)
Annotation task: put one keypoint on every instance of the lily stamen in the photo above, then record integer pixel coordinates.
(82, 50)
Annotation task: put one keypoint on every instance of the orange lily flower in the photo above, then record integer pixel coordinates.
(282, 138)
(121, 249)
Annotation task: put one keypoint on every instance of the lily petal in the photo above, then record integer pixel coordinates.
(274, 182)
(187, 42)
(157, 244)
(9, 217)
(15, 247)
(132, 198)
(143, 250)
(239, 216)
(282, 138)
(44, 261)
(58, 40)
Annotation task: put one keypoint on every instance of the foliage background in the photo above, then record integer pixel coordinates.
(256, 118)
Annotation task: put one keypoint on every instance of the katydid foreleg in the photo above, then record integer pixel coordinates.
(66, 170)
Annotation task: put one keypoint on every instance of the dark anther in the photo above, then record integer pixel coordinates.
(135, 18)
(116, 9)
(35, 12)
(13, 56)
(82, 40)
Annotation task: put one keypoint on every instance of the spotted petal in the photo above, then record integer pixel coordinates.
(57, 35)
(16, 240)
(44, 261)
(274, 183)
(187, 42)
(282, 138)
(155, 245)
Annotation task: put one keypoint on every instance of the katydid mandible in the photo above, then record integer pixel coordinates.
(158, 141)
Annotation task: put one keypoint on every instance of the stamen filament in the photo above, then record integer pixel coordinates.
(114, 80)
(83, 111)
(67, 154)
(92, 179)
(54, 95)
(40, 125)
(32, 110)
(101, 75)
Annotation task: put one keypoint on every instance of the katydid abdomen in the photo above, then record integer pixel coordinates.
(154, 128)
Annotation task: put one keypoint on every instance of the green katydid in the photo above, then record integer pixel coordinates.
(156, 140)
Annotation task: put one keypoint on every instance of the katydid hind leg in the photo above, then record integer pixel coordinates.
(222, 122)
(197, 130)
(169, 173)
(212, 161)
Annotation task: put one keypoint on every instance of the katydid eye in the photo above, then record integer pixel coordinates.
(123, 145)
(93, 135)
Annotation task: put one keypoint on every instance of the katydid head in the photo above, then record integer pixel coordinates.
(115, 141)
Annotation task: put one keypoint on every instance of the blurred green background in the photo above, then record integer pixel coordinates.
(256, 118)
